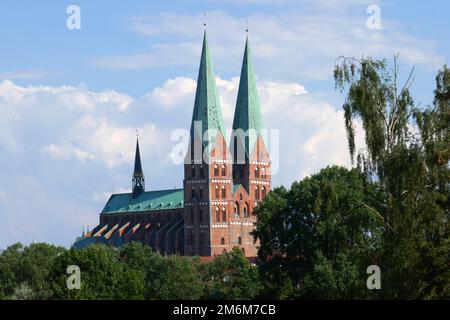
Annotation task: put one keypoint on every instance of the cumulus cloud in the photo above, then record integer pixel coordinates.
(65, 149)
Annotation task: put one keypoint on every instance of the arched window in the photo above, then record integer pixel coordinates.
(263, 173)
(239, 240)
(200, 215)
(236, 209)
(217, 192)
(193, 193)
(263, 192)
(200, 193)
(257, 195)
(202, 237)
(235, 147)
(240, 196)
(217, 215)
(193, 172)
(216, 170)
(224, 192)
(224, 171)
(256, 172)
(246, 209)
(222, 242)
(224, 214)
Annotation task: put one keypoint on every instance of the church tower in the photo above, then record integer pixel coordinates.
(138, 181)
(207, 169)
(251, 162)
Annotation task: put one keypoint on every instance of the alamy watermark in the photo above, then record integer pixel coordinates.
(73, 21)
(194, 146)
(373, 22)
(74, 279)
(374, 280)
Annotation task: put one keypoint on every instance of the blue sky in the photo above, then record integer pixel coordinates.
(71, 100)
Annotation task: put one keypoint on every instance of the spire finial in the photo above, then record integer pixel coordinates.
(137, 133)
(204, 20)
(246, 26)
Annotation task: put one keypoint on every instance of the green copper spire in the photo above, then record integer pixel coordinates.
(247, 115)
(207, 111)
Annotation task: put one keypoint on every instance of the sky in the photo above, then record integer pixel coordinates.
(71, 100)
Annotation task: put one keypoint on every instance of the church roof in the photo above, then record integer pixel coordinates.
(146, 201)
(247, 115)
(207, 110)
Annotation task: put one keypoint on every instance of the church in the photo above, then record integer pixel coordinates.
(224, 180)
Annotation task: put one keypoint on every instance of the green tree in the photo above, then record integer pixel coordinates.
(320, 235)
(103, 275)
(166, 277)
(25, 269)
(231, 276)
(411, 172)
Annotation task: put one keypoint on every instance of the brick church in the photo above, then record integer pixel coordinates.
(224, 180)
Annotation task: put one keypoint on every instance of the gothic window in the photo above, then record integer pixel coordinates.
(224, 214)
(216, 170)
(236, 209)
(193, 172)
(201, 193)
(222, 242)
(224, 171)
(240, 196)
(202, 237)
(246, 209)
(263, 173)
(217, 215)
(239, 240)
(192, 193)
(257, 195)
(256, 172)
(200, 215)
(263, 192)
(224, 192)
(217, 191)
(202, 173)
(235, 150)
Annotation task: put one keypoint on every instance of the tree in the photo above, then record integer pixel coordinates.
(411, 172)
(231, 276)
(320, 235)
(103, 275)
(25, 269)
(165, 277)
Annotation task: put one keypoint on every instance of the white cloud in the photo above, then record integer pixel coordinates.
(24, 74)
(71, 145)
(299, 44)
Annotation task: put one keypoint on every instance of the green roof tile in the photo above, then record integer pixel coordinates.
(248, 113)
(207, 110)
(146, 201)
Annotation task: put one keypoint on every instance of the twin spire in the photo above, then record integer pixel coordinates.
(207, 115)
(207, 120)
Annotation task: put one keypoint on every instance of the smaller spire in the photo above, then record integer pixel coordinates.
(138, 181)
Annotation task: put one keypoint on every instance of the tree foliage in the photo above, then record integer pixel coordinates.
(407, 157)
(319, 235)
